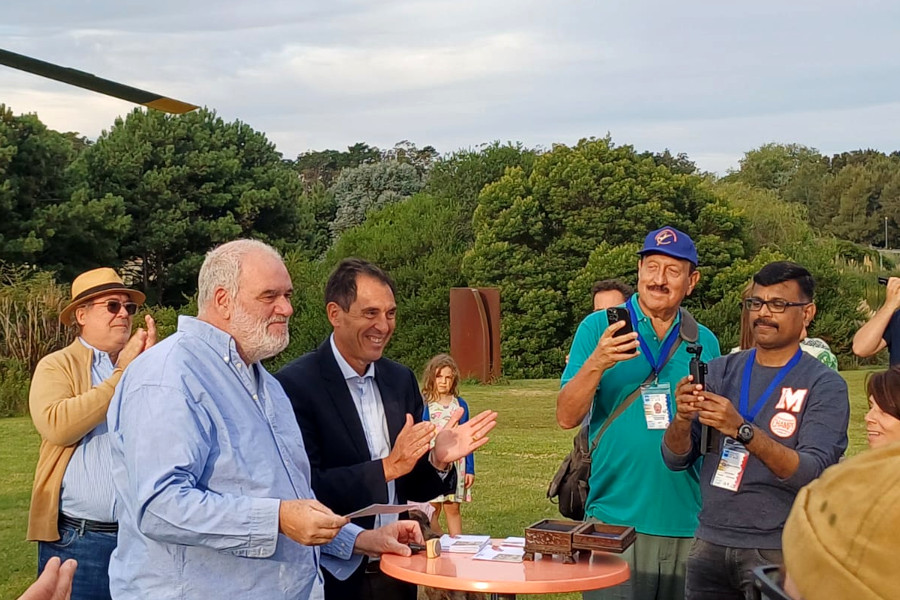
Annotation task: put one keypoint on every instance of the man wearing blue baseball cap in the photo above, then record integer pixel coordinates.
(626, 383)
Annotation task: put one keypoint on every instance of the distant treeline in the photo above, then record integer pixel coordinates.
(153, 193)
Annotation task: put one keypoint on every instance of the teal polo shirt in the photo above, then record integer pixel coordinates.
(629, 483)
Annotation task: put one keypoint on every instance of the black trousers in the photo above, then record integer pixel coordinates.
(367, 583)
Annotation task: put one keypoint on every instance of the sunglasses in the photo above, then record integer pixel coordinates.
(768, 583)
(114, 306)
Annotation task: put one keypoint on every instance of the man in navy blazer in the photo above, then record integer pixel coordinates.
(360, 415)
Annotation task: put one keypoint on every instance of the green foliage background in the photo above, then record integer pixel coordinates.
(155, 192)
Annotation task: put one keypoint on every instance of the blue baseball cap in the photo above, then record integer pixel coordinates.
(671, 242)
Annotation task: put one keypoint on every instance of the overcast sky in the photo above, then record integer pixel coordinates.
(711, 79)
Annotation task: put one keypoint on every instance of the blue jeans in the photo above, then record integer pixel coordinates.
(92, 551)
(721, 572)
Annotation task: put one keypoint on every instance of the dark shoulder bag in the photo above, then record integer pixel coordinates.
(570, 484)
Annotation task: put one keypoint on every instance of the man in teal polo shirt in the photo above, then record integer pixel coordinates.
(629, 483)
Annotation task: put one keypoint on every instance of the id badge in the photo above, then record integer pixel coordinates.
(731, 465)
(656, 404)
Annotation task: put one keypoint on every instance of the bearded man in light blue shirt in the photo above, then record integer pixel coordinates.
(208, 461)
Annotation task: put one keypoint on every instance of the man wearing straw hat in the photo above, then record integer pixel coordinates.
(73, 506)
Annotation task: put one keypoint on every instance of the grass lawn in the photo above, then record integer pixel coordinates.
(511, 472)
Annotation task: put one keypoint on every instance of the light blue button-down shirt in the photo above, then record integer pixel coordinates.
(87, 490)
(203, 452)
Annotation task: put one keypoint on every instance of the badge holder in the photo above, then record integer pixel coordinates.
(731, 467)
(657, 399)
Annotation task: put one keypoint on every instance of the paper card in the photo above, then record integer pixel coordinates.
(656, 405)
(378, 509)
(501, 553)
(731, 466)
(464, 544)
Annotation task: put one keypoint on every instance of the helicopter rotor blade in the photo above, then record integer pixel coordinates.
(94, 83)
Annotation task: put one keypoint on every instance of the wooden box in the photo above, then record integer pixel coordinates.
(600, 536)
(552, 536)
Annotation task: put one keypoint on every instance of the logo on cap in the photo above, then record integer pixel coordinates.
(666, 237)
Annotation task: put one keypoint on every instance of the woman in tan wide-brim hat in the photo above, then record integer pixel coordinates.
(91, 284)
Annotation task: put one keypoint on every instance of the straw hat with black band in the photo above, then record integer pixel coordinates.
(97, 282)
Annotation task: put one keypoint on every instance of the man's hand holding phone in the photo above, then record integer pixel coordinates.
(619, 342)
(892, 294)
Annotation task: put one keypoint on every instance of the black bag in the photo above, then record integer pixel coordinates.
(570, 484)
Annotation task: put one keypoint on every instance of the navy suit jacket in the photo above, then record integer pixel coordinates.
(344, 477)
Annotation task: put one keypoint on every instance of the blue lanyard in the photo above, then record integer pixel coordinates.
(645, 349)
(748, 413)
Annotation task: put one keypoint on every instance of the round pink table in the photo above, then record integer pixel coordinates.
(505, 580)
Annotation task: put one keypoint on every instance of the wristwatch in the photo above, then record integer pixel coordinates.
(744, 433)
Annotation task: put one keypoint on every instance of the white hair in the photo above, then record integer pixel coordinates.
(222, 269)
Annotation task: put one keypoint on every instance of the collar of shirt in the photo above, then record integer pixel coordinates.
(101, 364)
(223, 345)
(346, 370)
(99, 357)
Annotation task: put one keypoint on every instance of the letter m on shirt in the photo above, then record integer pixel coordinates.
(791, 399)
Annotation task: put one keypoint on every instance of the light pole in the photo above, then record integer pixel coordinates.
(885, 234)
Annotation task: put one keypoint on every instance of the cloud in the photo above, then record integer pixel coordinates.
(711, 79)
(396, 69)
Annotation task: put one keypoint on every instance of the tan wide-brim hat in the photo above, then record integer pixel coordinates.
(96, 283)
(840, 540)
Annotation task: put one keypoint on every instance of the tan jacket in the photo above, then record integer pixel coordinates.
(64, 408)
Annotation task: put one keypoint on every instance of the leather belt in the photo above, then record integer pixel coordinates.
(88, 525)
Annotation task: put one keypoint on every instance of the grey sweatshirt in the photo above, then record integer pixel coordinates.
(813, 423)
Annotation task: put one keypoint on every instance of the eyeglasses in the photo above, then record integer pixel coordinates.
(768, 583)
(114, 306)
(776, 306)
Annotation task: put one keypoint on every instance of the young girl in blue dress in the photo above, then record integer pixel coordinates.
(441, 396)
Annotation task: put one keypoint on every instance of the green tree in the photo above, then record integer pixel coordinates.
(604, 262)
(772, 221)
(678, 163)
(533, 234)
(189, 182)
(323, 166)
(865, 193)
(34, 176)
(309, 325)
(807, 189)
(406, 152)
(370, 187)
(317, 209)
(463, 174)
(855, 157)
(772, 166)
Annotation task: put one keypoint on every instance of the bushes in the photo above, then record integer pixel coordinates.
(15, 379)
(30, 302)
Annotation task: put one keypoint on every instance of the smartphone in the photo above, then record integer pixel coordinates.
(620, 313)
(883, 280)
